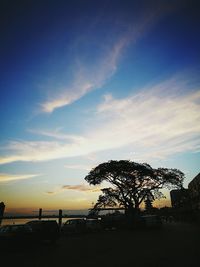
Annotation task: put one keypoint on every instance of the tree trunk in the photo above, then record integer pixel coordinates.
(132, 215)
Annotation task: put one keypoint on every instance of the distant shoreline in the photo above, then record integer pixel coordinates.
(43, 216)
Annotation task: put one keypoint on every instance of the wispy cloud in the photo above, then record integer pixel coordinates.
(34, 151)
(57, 134)
(158, 121)
(163, 119)
(5, 177)
(54, 192)
(89, 77)
(86, 167)
(82, 188)
(50, 192)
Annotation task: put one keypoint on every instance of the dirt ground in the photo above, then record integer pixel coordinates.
(176, 244)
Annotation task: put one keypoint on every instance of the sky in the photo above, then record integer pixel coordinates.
(84, 82)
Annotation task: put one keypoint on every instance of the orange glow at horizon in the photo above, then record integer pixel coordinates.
(33, 209)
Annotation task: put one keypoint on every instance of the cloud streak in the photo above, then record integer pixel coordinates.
(5, 177)
(158, 121)
(82, 188)
(162, 118)
(89, 77)
(80, 166)
(79, 187)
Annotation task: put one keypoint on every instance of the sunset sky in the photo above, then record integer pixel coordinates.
(84, 82)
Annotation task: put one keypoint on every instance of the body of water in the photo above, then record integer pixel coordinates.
(23, 221)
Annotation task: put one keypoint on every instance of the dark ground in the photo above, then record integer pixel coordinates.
(176, 244)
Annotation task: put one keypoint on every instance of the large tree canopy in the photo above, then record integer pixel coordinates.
(132, 183)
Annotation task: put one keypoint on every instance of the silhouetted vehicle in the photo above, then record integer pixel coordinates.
(150, 221)
(81, 226)
(74, 226)
(45, 230)
(20, 234)
(93, 225)
(114, 221)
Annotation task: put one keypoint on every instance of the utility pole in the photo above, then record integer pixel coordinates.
(60, 218)
(40, 214)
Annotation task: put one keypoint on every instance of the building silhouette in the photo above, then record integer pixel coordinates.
(194, 190)
(186, 202)
(2, 208)
(179, 198)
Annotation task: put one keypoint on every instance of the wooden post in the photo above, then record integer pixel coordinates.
(2, 208)
(60, 218)
(40, 214)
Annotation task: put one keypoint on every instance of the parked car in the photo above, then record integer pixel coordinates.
(113, 221)
(20, 234)
(45, 230)
(93, 225)
(81, 226)
(151, 221)
(74, 226)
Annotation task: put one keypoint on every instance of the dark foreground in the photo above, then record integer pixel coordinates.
(174, 245)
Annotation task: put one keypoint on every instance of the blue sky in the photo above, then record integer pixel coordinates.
(83, 82)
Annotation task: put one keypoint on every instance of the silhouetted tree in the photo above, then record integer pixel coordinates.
(131, 183)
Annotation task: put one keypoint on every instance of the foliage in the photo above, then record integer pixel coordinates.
(132, 183)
